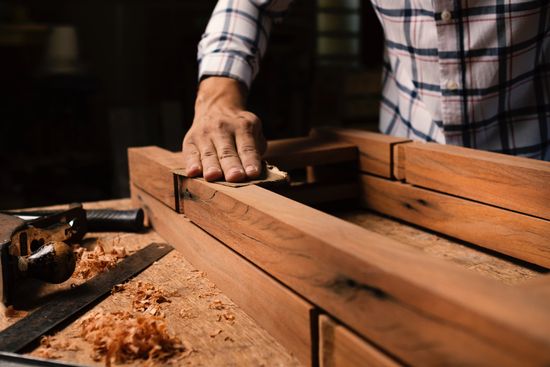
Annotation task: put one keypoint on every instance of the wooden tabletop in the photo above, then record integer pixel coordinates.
(214, 340)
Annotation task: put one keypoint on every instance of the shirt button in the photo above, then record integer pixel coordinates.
(452, 85)
(446, 16)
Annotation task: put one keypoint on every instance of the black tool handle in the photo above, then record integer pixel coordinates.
(100, 220)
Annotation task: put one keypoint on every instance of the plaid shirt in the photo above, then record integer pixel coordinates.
(474, 73)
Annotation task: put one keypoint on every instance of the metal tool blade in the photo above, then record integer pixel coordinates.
(71, 303)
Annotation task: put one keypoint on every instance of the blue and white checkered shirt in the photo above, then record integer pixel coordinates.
(470, 73)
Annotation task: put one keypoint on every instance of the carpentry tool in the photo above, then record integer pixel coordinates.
(97, 220)
(36, 243)
(73, 302)
(38, 248)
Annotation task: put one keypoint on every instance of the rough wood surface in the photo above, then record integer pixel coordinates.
(515, 183)
(375, 150)
(190, 315)
(151, 168)
(339, 347)
(359, 277)
(521, 236)
(486, 263)
(282, 313)
(288, 154)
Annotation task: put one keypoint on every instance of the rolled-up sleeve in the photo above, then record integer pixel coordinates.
(236, 37)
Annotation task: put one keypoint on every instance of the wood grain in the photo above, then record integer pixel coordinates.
(151, 169)
(375, 150)
(293, 153)
(339, 347)
(282, 313)
(514, 183)
(427, 312)
(521, 236)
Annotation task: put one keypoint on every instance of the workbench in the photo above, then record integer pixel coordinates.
(242, 341)
(420, 254)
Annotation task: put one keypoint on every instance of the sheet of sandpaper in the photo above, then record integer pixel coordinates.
(270, 176)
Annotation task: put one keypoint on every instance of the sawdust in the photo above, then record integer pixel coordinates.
(226, 316)
(217, 305)
(216, 333)
(93, 262)
(146, 297)
(50, 346)
(123, 337)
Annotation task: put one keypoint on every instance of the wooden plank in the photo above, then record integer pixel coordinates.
(151, 169)
(514, 183)
(339, 347)
(375, 150)
(398, 151)
(427, 312)
(293, 153)
(281, 312)
(521, 236)
(359, 277)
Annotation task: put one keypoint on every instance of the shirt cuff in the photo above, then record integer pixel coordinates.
(228, 65)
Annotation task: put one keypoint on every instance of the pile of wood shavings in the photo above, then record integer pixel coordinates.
(123, 337)
(147, 298)
(91, 263)
(50, 345)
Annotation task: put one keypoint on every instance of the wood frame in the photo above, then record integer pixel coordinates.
(398, 298)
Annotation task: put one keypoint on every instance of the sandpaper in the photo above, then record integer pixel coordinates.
(271, 176)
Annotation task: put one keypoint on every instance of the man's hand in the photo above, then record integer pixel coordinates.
(225, 140)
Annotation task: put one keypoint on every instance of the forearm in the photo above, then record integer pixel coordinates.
(236, 38)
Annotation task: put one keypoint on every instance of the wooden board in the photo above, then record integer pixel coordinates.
(518, 235)
(282, 313)
(151, 169)
(514, 183)
(359, 277)
(293, 153)
(339, 347)
(375, 150)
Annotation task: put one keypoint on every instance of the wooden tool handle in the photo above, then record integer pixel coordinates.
(54, 262)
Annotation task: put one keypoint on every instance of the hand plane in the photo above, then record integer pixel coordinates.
(38, 248)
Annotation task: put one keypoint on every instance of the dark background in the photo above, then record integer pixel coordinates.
(63, 137)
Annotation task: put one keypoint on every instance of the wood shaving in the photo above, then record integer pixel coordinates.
(216, 333)
(227, 316)
(50, 346)
(122, 337)
(147, 298)
(186, 314)
(93, 262)
(217, 305)
(12, 313)
(208, 294)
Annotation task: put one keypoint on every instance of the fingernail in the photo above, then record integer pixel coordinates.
(251, 170)
(213, 171)
(236, 172)
(193, 168)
